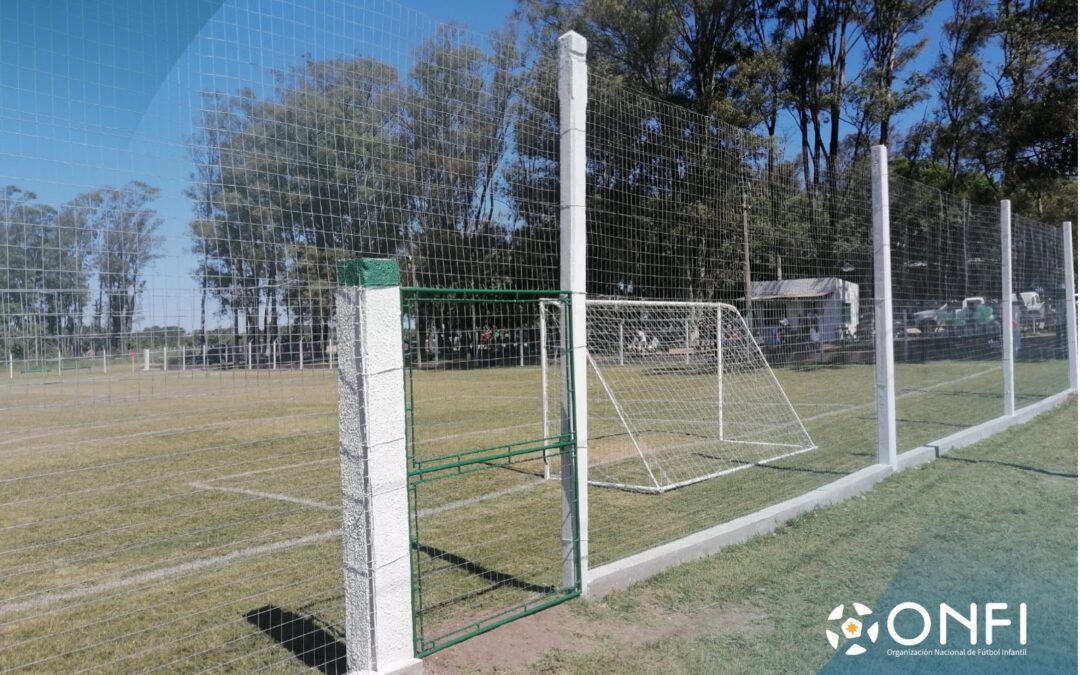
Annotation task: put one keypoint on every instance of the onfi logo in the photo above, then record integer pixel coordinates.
(853, 626)
(857, 631)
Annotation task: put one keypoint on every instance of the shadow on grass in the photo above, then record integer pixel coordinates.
(497, 579)
(1022, 467)
(315, 646)
(931, 423)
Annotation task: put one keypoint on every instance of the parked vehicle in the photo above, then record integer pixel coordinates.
(1033, 314)
(953, 315)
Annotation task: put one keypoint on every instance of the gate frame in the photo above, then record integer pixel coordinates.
(417, 469)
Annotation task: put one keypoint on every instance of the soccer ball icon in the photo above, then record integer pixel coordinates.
(853, 627)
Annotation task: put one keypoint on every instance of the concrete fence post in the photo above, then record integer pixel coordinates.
(573, 96)
(375, 503)
(884, 362)
(1007, 345)
(146, 360)
(1070, 300)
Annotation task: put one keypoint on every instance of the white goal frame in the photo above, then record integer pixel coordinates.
(784, 450)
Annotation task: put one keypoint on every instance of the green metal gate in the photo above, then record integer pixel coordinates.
(493, 537)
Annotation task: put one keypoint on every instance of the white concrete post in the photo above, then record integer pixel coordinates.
(521, 347)
(1007, 306)
(249, 355)
(622, 344)
(573, 95)
(165, 358)
(1070, 301)
(371, 423)
(273, 355)
(204, 356)
(146, 359)
(105, 361)
(301, 353)
(884, 379)
(720, 372)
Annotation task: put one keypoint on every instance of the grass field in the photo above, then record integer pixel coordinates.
(995, 521)
(170, 520)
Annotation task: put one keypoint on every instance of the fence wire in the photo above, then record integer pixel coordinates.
(179, 189)
(947, 310)
(683, 207)
(1039, 306)
(174, 205)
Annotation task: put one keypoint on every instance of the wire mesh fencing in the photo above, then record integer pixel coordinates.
(1039, 318)
(682, 207)
(171, 491)
(178, 192)
(947, 309)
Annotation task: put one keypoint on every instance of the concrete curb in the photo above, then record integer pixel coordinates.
(623, 573)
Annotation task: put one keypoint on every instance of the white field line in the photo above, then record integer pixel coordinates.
(479, 432)
(423, 513)
(242, 554)
(450, 506)
(205, 563)
(245, 474)
(165, 572)
(176, 431)
(142, 420)
(199, 485)
(910, 394)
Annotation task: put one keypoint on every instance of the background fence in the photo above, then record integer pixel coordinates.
(170, 462)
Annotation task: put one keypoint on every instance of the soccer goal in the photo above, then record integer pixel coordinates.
(678, 393)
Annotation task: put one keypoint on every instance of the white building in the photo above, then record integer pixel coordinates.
(832, 302)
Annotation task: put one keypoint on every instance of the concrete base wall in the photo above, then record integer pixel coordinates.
(622, 573)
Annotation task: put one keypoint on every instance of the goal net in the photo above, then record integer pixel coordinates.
(679, 392)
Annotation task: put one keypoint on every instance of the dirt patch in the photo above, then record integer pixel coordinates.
(517, 646)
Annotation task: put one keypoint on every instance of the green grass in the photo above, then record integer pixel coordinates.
(993, 521)
(111, 477)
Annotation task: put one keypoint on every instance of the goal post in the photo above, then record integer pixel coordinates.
(679, 392)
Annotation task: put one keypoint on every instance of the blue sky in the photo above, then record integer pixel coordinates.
(101, 93)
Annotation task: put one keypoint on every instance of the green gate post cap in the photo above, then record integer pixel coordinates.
(368, 272)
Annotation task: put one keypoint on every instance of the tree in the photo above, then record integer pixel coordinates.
(957, 80)
(885, 26)
(1030, 137)
(128, 243)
